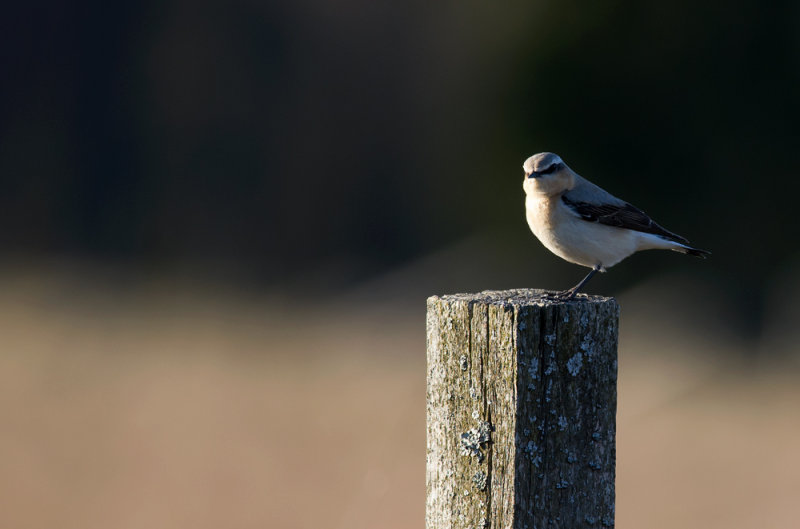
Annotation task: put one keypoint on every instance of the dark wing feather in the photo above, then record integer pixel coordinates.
(621, 216)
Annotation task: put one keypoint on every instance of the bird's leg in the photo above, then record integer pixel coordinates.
(569, 294)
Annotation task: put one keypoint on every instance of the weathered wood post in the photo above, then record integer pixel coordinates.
(522, 402)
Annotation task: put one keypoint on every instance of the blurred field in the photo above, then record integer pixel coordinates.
(165, 404)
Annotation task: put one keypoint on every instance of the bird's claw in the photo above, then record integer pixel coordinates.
(564, 295)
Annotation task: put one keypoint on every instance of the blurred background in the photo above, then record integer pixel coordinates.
(221, 221)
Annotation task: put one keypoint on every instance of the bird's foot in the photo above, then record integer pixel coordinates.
(564, 295)
(569, 295)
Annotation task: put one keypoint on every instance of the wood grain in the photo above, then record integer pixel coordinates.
(521, 405)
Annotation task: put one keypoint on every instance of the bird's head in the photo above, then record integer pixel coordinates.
(547, 174)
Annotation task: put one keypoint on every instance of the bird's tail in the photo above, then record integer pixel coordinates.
(688, 250)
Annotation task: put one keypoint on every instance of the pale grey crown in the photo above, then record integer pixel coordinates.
(543, 163)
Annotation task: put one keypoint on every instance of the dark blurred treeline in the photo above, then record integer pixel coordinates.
(280, 136)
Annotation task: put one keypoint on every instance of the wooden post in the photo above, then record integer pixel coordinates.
(522, 402)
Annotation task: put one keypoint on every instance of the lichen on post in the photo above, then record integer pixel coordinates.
(521, 406)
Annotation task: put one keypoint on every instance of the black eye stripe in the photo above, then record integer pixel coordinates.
(551, 169)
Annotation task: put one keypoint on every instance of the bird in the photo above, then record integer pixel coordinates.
(585, 224)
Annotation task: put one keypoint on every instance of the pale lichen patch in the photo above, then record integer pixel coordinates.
(574, 364)
(479, 479)
(473, 440)
(562, 423)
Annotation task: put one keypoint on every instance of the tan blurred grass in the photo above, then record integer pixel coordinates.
(172, 405)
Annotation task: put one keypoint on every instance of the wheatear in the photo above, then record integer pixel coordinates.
(586, 225)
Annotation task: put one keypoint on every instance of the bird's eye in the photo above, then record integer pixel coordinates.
(554, 167)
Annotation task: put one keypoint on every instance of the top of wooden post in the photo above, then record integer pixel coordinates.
(520, 297)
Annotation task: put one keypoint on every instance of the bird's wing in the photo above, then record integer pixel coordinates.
(620, 215)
